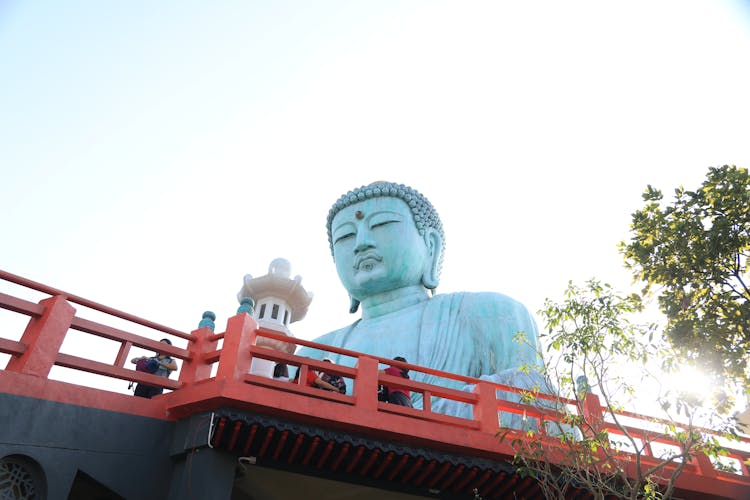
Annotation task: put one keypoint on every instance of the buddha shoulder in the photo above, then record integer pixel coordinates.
(335, 337)
(485, 304)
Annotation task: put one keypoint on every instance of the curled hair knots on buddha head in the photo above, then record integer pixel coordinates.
(425, 215)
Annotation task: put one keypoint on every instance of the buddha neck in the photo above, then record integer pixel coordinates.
(393, 300)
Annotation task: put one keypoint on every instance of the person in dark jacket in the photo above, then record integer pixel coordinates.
(166, 366)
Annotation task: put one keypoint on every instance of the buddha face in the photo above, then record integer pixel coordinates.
(377, 247)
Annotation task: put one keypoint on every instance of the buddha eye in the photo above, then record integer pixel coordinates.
(343, 237)
(382, 223)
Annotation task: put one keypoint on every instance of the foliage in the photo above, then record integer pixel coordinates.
(594, 346)
(695, 251)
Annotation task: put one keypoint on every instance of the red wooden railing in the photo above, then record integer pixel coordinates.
(215, 373)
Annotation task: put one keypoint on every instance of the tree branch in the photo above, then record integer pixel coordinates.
(745, 295)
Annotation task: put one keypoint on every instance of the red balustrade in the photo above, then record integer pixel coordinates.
(215, 373)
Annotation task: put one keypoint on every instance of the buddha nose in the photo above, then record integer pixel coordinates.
(364, 241)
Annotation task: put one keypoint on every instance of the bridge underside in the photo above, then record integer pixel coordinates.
(363, 466)
(277, 459)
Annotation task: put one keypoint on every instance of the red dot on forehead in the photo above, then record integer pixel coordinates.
(359, 215)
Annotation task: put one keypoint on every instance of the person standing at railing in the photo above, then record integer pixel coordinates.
(166, 366)
(393, 395)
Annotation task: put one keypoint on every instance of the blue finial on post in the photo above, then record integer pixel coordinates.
(246, 305)
(582, 385)
(208, 320)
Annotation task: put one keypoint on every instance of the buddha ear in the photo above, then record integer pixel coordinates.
(434, 243)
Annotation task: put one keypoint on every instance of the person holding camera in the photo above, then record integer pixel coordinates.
(165, 366)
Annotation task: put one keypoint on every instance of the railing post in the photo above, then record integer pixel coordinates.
(705, 466)
(592, 411)
(485, 411)
(427, 401)
(366, 386)
(122, 354)
(196, 368)
(43, 337)
(234, 360)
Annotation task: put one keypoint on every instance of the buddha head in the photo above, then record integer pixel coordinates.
(385, 236)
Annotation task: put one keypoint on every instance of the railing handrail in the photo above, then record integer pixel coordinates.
(532, 411)
(39, 287)
(264, 332)
(416, 386)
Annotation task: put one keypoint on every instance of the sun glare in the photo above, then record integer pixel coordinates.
(690, 382)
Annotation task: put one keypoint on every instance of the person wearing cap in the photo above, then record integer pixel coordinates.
(397, 396)
(315, 379)
(166, 366)
(335, 380)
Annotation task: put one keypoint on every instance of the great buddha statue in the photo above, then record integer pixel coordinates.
(387, 242)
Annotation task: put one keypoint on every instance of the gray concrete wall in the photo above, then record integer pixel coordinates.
(128, 454)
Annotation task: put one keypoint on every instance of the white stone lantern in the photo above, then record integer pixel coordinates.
(279, 300)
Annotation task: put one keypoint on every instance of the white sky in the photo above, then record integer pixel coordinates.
(153, 153)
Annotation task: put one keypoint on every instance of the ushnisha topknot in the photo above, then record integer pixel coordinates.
(425, 215)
